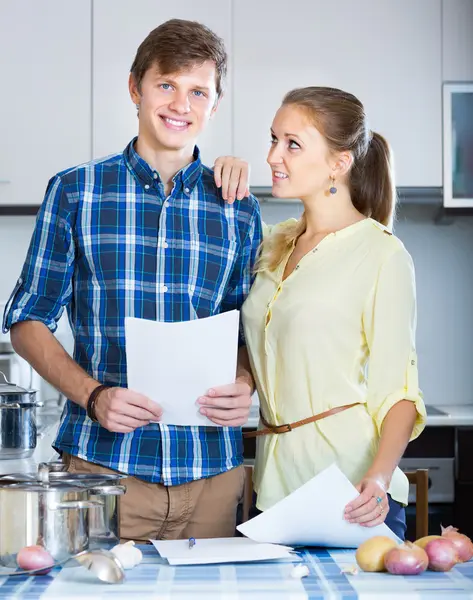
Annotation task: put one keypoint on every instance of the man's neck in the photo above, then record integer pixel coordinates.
(166, 162)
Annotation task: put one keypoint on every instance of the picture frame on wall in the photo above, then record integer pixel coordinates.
(458, 145)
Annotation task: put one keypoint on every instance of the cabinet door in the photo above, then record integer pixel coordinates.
(119, 28)
(386, 53)
(457, 28)
(45, 115)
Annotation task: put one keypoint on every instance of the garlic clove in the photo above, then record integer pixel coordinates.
(128, 554)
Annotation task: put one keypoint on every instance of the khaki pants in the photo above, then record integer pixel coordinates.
(200, 509)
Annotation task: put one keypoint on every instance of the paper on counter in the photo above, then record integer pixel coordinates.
(313, 516)
(176, 363)
(220, 550)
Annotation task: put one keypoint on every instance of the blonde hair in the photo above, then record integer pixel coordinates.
(340, 118)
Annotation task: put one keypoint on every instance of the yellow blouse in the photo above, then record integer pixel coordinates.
(349, 301)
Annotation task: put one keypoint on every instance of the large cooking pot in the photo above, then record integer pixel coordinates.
(54, 515)
(17, 420)
(103, 488)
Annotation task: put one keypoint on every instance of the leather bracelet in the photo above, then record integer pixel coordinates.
(92, 400)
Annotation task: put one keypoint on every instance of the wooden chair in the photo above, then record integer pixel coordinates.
(420, 478)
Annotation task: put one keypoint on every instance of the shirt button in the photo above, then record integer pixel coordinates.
(166, 204)
(165, 244)
(146, 187)
(187, 190)
(164, 288)
(155, 175)
(413, 362)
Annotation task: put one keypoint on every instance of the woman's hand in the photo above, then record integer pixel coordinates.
(372, 505)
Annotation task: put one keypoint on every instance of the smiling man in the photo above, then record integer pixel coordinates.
(146, 233)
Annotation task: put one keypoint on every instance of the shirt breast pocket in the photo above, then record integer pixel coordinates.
(211, 270)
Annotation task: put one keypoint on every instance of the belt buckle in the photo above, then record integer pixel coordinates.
(286, 428)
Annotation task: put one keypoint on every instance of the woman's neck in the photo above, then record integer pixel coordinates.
(329, 213)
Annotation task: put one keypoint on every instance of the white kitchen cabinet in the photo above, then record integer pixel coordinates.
(386, 53)
(119, 28)
(45, 112)
(457, 27)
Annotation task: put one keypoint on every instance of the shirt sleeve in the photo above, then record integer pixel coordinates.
(389, 323)
(243, 272)
(45, 284)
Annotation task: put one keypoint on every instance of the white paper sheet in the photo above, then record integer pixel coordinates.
(176, 363)
(220, 550)
(313, 516)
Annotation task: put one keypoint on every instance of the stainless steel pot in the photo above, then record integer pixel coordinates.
(103, 488)
(18, 431)
(54, 515)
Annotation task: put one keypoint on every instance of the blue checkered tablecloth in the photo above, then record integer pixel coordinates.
(154, 579)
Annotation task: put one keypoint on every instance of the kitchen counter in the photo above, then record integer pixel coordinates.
(153, 578)
(456, 416)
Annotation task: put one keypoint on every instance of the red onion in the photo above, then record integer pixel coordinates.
(35, 557)
(406, 559)
(463, 544)
(442, 554)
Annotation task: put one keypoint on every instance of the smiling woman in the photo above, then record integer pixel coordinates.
(330, 320)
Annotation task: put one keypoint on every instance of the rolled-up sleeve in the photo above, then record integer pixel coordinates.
(389, 322)
(243, 273)
(45, 284)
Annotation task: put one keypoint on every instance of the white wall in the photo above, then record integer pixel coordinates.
(443, 257)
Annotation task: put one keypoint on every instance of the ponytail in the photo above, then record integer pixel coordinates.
(371, 182)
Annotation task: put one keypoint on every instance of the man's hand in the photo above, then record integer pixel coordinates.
(121, 410)
(233, 176)
(227, 405)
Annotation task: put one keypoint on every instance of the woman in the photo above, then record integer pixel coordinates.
(330, 320)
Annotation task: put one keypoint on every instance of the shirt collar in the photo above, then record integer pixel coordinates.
(188, 176)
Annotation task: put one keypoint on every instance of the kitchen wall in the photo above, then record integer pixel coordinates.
(442, 256)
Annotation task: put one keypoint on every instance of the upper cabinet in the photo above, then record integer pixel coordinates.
(119, 26)
(457, 25)
(45, 112)
(386, 53)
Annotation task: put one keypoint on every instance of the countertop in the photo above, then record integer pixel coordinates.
(456, 416)
(153, 578)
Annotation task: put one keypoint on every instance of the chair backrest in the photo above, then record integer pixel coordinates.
(420, 478)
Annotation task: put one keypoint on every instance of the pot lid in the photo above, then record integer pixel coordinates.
(36, 486)
(79, 480)
(6, 387)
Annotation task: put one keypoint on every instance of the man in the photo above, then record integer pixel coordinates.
(146, 233)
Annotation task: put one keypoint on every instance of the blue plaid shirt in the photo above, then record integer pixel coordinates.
(108, 244)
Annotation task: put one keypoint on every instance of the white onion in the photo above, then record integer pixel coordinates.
(370, 554)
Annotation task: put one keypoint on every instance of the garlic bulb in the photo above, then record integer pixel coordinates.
(300, 571)
(128, 554)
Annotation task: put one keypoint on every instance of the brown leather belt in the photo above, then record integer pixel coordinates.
(290, 426)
